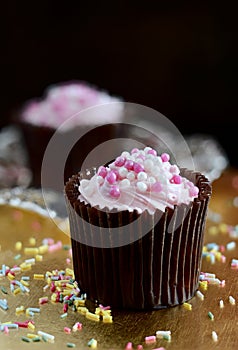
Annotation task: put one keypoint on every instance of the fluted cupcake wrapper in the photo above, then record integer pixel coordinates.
(161, 265)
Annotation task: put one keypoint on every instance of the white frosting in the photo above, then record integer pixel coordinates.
(138, 180)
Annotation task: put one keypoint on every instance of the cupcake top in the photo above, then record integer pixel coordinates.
(138, 180)
(62, 101)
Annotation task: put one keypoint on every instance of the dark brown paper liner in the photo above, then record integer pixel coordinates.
(159, 269)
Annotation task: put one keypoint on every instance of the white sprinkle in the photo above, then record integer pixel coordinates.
(231, 245)
(46, 335)
(221, 304)
(200, 295)
(214, 336)
(231, 300)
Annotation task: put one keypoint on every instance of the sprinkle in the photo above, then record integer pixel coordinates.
(92, 343)
(36, 339)
(25, 278)
(31, 335)
(34, 309)
(150, 339)
(20, 310)
(43, 249)
(18, 256)
(67, 330)
(64, 315)
(3, 290)
(3, 304)
(231, 300)
(39, 257)
(31, 251)
(210, 315)
(187, 306)
(27, 340)
(200, 295)
(46, 336)
(161, 334)
(214, 336)
(38, 276)
(43, 300)
(91, 316)
(221, 304)
(18, 246)
(77, 326)
(129, 346)
(71, 345)
(32, 241)
(231, 245)
(9, 326)
(31, 261)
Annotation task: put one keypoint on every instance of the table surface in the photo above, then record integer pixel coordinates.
(190, 329)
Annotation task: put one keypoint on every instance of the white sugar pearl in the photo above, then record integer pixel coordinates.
(130, 176)
(148, 164)
(100, 180)
(151, 180)
(150, 156)
(146, 149)
(141, 186)
(125, 183)
(126, 154)
(155, 170)
(139, 160)
(123, 172)
(142, 176)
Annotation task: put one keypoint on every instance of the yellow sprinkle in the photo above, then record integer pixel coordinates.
(82, 310)
(31, 251)
(31, 335)
(107, 319)
(203, 284)
(25, 267)
(10, 276)
(213, 230)
(69, 272)
(38, 276)
(25, 283)
(91, 316)
(31, 326)
(223, 228)
(32, 241)
(18, 246)
(20, 310)
(17, 291)
(39, 257)
(79, 302)
(67, 292)
(187, 306)
(43, 249)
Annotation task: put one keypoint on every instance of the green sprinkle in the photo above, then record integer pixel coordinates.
(18, 256)
(27, 340)
(64, 315)
(71, 345)
(36, 339)
(3, 289)
(66, 247)
(210, 315)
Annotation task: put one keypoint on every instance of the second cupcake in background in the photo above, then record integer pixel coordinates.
(137, 228)
(40, 118)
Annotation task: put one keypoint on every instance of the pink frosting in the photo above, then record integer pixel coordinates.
(139, 180)
(62, 101)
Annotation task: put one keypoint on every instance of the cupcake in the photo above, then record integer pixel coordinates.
(137, 227)
(40, 118)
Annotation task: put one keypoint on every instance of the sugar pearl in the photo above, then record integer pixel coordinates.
(176, 179)
(148, 164)
(125, 183)
(155, 170)
(165, 157)
(134, 150)
(146, 149)
(102, 171)
(141, 186)
(120, 161)
(100, 180)
(153, 152)
(130, 176)
(123, 172)
(193, 191)
(151, 180)
(114, 191)
(111, 177)
(125, 154)
(138, 167)
(129, 164)
(142, 176)
(174, 169)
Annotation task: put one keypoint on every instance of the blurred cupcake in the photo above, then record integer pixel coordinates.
(137, 228)
(40, 118)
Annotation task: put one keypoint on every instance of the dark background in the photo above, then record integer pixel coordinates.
(178, 59)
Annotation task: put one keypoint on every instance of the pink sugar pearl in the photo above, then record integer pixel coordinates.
(115, 192)
(193, 191)
(156, 187)
(129, 164)
(111, 177)
(102, 171)
(176, 179)
(165, 157)
(134, 150)
(138, 168)
(152, 151)
(120, 161)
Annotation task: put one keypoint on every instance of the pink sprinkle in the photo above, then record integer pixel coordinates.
(138, 168)
(222, 248)
(6, 330)
(36, 225)
(17, 215)
(159, 348)
(129, 346)
(176, 179)
(165, 157)
(54, 247)
(79, 325)
(67, 330)
(102, 171)
(223, 283)
(139, 347)
(120, 161)
(68, 261)
(111, 177)
(65, 308)
(70, 252)
(115, 192)
(156, 187)
(150, 339)
(129, 164)
(152, 151)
